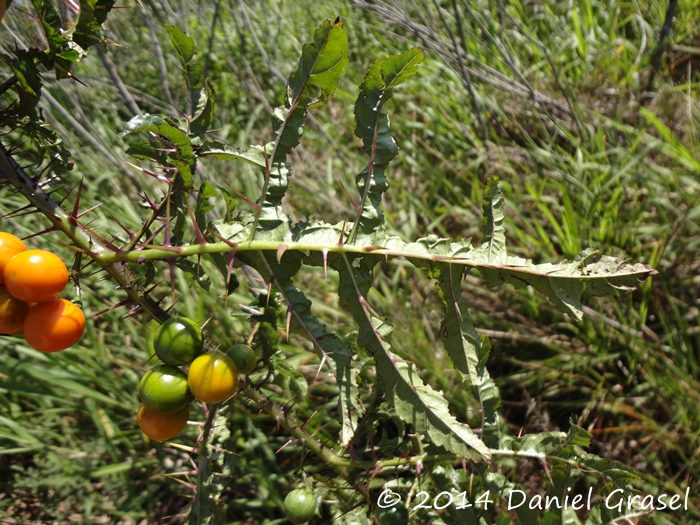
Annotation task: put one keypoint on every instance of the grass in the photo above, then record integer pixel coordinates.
(549, 96)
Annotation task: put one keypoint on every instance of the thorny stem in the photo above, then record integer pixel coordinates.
(81, 236)
(202, 448)
(340, 465)
(106, 257)
(343, 465)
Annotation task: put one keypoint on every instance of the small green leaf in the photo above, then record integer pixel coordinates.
(320, 67)
(289, 378)
(254, 155)
(184, 45)
(143, 151)
(372, 126)
(204, 110)
(314, 81)
(51, 21)
(169, 131)
(93, 13)
(24, 69)
(493, 247)
(578, 436)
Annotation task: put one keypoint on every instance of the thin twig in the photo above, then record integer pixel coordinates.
(81, 236)
(118, 82)
(89, 137)
(162, 68)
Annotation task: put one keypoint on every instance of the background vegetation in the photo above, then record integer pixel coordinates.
(595, 147)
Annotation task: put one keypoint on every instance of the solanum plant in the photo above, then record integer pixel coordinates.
(264, 238)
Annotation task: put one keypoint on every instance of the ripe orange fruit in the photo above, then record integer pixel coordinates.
(12, 312)
(9, 247)
(35, 276)
(160, 427)
(54, 325)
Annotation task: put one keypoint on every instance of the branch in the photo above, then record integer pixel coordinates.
(81, 236)
(340, 465)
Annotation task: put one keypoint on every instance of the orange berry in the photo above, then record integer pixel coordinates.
(12, 312)
(35, 276)
(54, 325)
(9, 247)
(161, 427)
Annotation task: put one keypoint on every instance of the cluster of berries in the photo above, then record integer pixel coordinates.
(30, 282)
(166, 390)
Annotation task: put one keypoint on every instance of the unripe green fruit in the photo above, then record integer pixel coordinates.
(164, 390)
(300, 506)
(178, 341)
(244, 357)
(396, 515)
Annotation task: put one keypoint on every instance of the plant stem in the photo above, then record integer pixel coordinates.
(340, 465)
(82, 237)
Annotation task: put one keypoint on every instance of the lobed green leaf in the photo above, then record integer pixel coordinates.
(415, 402)
(321, 65)
(372, 126)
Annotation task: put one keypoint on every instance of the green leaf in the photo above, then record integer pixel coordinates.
(493, 247)
(416, 403)
(230, 201)
(578, 436)
(222, 265)
(255, 155)
(313, 82)
(25, 71)
(372, 126)
(327, 345)
(143, 151)
(93, 13)
(465, 348)
(204, 110)
(533, 445)
(564, 283)
(321, 65)
(610, 470)
(183, 45)
(330, 346)
(169, 130)
(51, 22)
(289, 378)
(206, 191)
